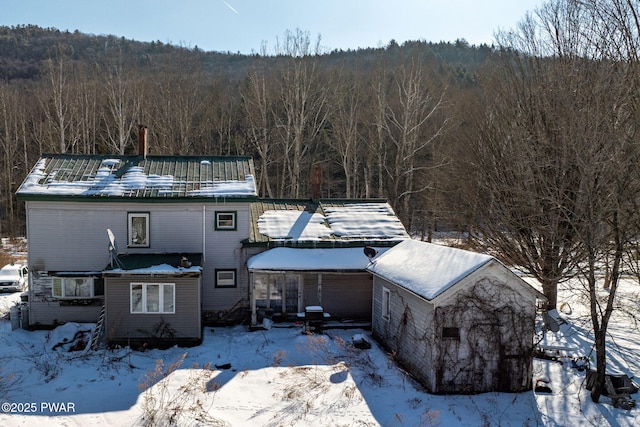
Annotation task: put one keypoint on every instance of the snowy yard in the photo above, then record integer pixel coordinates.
(281, 377)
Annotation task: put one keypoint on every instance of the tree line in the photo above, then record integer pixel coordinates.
(371, 119)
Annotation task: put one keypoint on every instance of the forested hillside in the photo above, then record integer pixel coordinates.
(375, 120)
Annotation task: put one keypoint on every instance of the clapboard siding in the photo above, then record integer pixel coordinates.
(224, 251)
(502, 309)
(73, 236)
(347, 295)
(120, 324)
(310, 289)
(407, 332)
(50, 313)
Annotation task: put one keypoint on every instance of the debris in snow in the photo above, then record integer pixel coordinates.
(361, 341)
(70, 337)
(542, 386)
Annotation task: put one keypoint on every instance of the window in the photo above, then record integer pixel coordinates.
(226, 221)
(138, 230)
(451, 333)
(153, 298)
(225, 279)
(386, 303)
(75, 287)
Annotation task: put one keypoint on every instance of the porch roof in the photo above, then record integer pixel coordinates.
(298, 259)
(326, 223)
(150, 264)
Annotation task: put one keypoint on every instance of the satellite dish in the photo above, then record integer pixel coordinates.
(370, 252)
(549, 322)
(113, 248)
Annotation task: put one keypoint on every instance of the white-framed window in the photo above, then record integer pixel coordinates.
(386, 303)
(226, 279)
(226, 220)
(153, 298)
(138, 229)
(73, 287)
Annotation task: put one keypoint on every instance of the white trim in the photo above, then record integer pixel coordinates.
(63, 287)
(386, 304)
(143, 304)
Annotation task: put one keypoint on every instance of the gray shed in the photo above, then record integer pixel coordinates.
(460, 321)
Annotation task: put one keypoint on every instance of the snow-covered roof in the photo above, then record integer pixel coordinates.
(158, 269)
(296, 259)
(156, 264)
(136, 176)
(424, 268)
(366, 220)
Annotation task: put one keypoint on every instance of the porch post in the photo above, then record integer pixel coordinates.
(320, 289)
(254, 316)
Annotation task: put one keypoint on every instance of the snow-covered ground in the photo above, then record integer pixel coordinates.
(281, 377)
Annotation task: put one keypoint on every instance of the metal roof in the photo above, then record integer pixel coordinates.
(100, 176)
(322, 208)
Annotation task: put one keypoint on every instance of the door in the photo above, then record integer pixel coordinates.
(281, 293)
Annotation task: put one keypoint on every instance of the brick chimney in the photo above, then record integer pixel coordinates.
(143, 145)
(316, 181)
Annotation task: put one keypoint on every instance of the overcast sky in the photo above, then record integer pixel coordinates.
(243, 25)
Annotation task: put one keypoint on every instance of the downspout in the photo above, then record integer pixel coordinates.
(204, 232)
(254, 315)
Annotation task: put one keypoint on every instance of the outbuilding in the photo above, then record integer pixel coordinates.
(459, 321)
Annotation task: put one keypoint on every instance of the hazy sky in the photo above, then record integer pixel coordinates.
(243, 25)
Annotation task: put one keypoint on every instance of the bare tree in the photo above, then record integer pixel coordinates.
(56, 103)
(346, 124)
(176, 103)
(257, 99)
(555, 175)
(303, 108)
(123, 103)
(410, 123)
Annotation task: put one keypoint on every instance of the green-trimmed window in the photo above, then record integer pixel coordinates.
(226, 279)
(226, 221)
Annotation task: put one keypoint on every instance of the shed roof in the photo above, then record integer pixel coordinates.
(426, 269)
(162, 263)
(117, 177)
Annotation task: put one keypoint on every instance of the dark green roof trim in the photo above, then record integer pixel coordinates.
(142, 261)
(320, 244)
(112, 199)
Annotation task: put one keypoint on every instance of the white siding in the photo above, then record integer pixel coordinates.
(72, 236)
(224, 251)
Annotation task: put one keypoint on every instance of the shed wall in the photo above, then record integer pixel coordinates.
(121, 324)
(407, 332)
